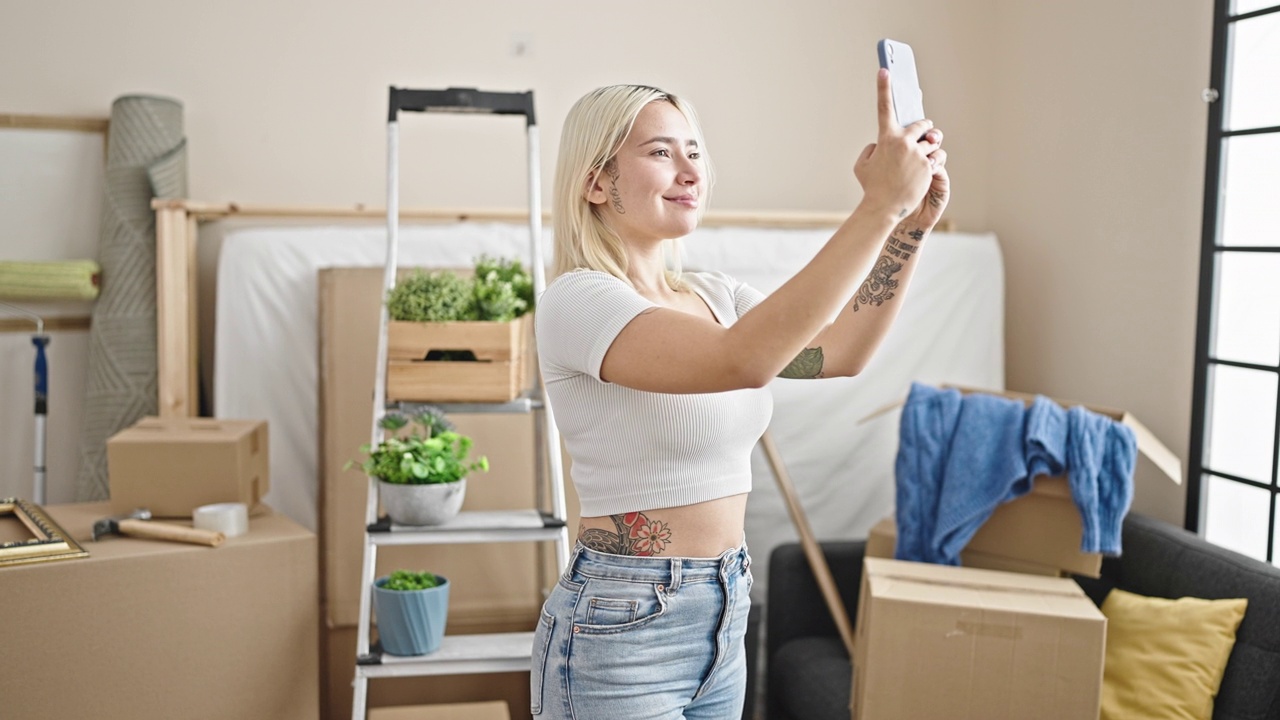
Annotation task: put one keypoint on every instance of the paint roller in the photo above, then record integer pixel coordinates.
(50, 280)
(45, 280)
(41, 341)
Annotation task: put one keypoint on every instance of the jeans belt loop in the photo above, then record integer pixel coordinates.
(573, 562)
(674, 584)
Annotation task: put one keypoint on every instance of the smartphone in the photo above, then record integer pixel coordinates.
(900, 61)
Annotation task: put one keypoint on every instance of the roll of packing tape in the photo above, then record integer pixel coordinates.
(230, 519)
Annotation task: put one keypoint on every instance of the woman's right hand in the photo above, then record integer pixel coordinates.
(895, 171)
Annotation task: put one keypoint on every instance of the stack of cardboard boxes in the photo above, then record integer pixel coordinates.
(1006, 636)
(146, 628)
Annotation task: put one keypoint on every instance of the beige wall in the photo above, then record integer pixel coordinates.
(1075, 129)
(286, 101)
(1096, 182)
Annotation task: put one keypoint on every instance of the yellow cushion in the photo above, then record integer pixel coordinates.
(1165, 658)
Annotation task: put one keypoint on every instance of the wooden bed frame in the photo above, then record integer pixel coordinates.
(177, 229)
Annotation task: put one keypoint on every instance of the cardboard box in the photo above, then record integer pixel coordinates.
(172, 466)
(1042, 529)
(968, 644)
(155, 630)
(496, 375)
(882, 541)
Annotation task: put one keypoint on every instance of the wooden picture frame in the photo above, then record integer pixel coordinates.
(48, 542)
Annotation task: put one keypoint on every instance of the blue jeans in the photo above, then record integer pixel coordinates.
(643, 638)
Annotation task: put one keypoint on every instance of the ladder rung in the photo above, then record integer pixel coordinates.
(521, 405)
(472, 527)
(457, 655)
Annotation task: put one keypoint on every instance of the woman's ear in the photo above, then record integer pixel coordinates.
(592, 191)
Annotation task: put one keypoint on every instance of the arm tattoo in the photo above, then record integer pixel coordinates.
(935, 198)
(880, 284)
(611, 168)
(808, 364)
(634, 534)
(899, 249)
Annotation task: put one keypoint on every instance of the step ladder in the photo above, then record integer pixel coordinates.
(479, 653)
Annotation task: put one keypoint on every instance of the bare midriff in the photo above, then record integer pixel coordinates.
(701, 530)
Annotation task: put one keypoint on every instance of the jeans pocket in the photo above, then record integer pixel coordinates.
(538, 670)
(607, 606)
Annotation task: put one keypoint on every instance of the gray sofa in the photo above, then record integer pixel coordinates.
(808, 672)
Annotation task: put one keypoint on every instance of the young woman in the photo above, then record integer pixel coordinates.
(657, 379)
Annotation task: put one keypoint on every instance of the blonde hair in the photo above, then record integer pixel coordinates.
(595, 129)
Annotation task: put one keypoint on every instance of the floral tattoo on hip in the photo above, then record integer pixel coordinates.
(633, 534)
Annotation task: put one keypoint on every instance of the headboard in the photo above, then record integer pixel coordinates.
(177, 232)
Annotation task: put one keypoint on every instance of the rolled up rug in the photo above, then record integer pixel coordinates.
(146, 158)
(50, 280)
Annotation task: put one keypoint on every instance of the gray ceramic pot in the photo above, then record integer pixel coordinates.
(422, 504)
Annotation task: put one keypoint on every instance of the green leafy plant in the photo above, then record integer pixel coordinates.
(439, 296)
(501, 290)
(431, 452)
(506, 272)
(410, 580)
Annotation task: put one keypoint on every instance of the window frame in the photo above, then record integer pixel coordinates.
(1211, 251)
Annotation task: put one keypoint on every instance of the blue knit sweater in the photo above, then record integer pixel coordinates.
(960, 456)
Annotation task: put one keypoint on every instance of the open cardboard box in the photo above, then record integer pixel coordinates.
(882, 541)
(936, 641)
(1041, 531)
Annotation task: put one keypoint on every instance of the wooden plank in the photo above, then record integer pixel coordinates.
(54, 122)
(193, 320)
(444, 381)
(213, 211)
(173, 298)
(812, 551)
(492, 341)
(51, 324)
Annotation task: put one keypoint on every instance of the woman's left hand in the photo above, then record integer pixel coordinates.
(935, 200)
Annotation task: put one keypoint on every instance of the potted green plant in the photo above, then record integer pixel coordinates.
(459, 339)
(411, 609)
(421, 473)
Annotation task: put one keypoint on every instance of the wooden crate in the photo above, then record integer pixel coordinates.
(497, 374)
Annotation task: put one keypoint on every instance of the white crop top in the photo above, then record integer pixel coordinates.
(634, 450)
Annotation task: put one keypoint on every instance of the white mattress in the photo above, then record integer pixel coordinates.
(950, 329)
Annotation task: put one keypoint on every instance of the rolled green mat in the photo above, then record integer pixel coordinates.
(146, 158)
(51, 280)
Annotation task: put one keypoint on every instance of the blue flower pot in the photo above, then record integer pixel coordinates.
(411, 622)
